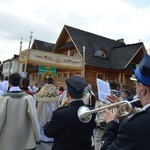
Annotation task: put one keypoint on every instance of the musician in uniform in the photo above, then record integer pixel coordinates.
(133, 132)
(68, 131)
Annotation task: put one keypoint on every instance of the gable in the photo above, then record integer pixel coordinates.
(65, 45)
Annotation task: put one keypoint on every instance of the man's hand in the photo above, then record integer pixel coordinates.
(110, 115)
(113, 98)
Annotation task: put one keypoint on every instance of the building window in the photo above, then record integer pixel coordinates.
(64, 76)
(100, 76)
(59, 77)
(71, 74)
(78, 74)
(100, 53)
(23, 66)
(4, 66)
(10, 65)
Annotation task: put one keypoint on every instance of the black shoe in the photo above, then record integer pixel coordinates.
(47, 141)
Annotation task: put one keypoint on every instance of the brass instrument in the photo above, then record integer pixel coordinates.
(85, 114)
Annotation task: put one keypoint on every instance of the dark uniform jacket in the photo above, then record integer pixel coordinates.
(133, 133)
(68, 131)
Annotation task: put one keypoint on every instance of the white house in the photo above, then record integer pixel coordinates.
(11, 66)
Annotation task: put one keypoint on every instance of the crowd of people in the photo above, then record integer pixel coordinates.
(30, 115)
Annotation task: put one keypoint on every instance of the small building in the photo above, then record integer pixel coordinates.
(11, 66)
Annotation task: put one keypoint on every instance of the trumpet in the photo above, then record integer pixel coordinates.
(85, 114)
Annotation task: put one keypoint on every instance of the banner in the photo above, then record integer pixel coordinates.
(43, 69)
(38, 57)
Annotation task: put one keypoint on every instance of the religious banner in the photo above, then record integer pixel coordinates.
(38, 57)
(43, 69)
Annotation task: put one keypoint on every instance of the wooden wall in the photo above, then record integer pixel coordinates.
(121, 76)
(91, 73)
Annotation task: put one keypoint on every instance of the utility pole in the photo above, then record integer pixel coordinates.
(19, 53)
(27, 54)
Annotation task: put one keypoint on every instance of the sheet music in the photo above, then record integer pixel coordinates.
(103, 90)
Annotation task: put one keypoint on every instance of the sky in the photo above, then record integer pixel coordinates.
(114, 19)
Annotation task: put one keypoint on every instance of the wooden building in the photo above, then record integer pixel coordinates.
(87, 54)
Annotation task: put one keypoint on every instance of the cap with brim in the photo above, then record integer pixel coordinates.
(143, 79)
(76, 85)
(142, 72)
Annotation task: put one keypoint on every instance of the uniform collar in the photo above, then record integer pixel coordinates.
(74, 102)
(145, 107)
(14, 88)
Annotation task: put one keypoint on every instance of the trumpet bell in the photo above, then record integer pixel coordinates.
(85, 114)
(81, 114)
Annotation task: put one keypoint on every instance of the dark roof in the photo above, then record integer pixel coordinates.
(118, 53)
(122, 55)
(42, 45)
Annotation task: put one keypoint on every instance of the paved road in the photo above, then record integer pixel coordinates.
(44, 146)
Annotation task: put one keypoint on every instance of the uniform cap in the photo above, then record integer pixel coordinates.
(76, 84)
(142, 72)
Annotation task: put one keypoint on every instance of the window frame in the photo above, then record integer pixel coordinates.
(100, 53)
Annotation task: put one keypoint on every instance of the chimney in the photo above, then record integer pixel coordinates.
(120, 40)
(16, 56)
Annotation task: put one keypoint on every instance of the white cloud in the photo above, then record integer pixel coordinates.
(115, 19)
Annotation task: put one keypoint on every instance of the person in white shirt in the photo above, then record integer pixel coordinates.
(5, 84)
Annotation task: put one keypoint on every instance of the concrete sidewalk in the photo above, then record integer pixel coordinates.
(44, 146)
